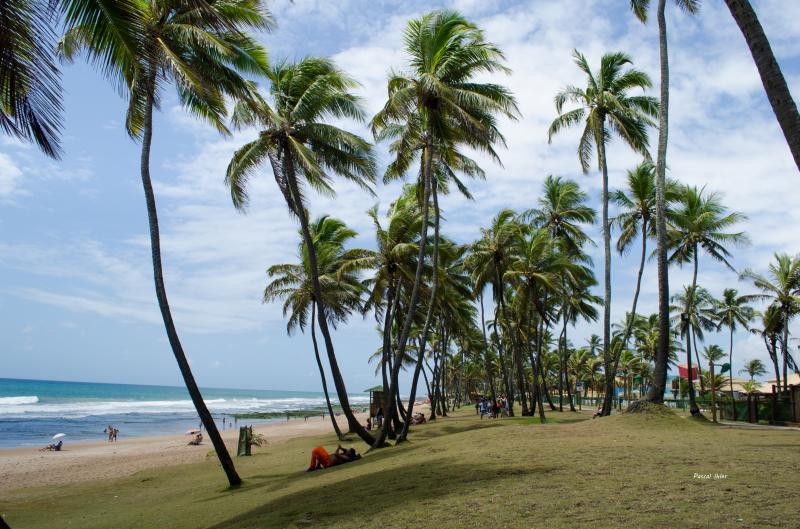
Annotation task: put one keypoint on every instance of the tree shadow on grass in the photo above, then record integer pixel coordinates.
(360, 497)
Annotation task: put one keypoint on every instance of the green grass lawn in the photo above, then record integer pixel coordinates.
(622, 471)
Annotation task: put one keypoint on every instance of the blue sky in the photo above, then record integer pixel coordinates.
(76, 295)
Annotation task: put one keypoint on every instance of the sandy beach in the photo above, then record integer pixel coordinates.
(77, 462)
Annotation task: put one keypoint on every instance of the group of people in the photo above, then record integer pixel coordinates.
(112, 433)
(494, 409)
(198, 438)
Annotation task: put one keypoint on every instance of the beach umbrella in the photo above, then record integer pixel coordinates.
(59, 436)
(193, 432)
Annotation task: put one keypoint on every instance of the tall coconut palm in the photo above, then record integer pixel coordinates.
(754, 368)
(640, 8)
(782, 288)
(637, 219)
(200, 47)
(606, 106)
(562, 210)
(778, 94)
(338, 276)
(732, 311)
(700, 222)
(304, 151)
(434, 107)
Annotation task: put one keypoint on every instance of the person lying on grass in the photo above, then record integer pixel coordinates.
(320, 458)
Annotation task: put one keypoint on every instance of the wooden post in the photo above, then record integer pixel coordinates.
(774, 404)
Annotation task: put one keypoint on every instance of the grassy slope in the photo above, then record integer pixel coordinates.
(622, 471)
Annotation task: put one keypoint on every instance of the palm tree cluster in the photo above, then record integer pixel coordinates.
(426, 291)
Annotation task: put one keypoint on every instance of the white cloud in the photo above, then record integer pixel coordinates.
(9, 176)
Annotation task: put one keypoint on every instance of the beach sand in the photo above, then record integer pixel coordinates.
(85, 461)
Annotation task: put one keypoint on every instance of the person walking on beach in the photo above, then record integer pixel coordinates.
(114, 433)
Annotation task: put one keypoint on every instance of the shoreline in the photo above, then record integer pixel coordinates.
(80, 461)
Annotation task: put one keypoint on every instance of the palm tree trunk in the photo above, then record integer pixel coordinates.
(3, 524)
(338, 381)
(161, 294)
(501, 296)
(427, 160)
(772, 351)
(659, 386)
(562, 351)
(412, 396)
(780, 98)
(694, 334)
(535, 371)
(632, 318)
(566, 372)
(785, 350)
(601, 154)
(500, 352)
(322, 374)
(730, 361)
(486, 353)
(692, 403)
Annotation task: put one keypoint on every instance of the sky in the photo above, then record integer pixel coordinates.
(76, 293)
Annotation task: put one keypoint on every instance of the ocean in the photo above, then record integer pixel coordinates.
(32, 411)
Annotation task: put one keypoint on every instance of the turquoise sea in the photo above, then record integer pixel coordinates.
(32, 411)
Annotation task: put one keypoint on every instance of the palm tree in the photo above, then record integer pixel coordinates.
(693, 314)
(754, 368)
(200, 47)
(606, 106)
(433, 108)
(700, 222)
(30, 92)
(303, 150)
(637, 218)
(640, 8)
(751, 386)
(394, 265)
(341, 287)
(772, 327)
(487, 263)
(782, 288)
(732, 311)
(780, 98)
(562, 209)
(714, 354)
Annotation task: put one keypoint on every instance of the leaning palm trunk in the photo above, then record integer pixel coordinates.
(322, 374)
(338, 381)
(161, 295)
(659, 386)
(780, 98)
